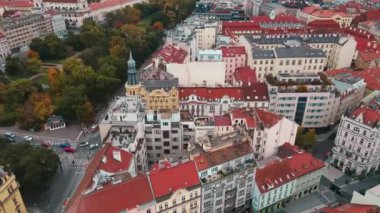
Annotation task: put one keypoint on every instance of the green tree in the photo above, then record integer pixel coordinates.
(14, 66)
(72, 98)
(33, 167)
(305, 139)
(40, 46)
(74, 42)
(91, 34)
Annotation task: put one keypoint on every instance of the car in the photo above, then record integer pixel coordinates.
(11, 137)
(94, 127)
(94, 146)
(27, 138)
(332, 136)
(69, 149)
(85, 143)
(64, 145)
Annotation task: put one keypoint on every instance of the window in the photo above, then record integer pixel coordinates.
(165, 134)
(174, 131)
(348, 126)
(369, 145)
(167, 151)
(166, 143)
(218, 202)
(158, 147)
(149, 148)
(183, 198)
(157, 140)
(174, 202)
(356, 129)
(175, 147)
(148, 211)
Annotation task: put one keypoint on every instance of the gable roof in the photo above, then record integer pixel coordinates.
(172, 54)
(280, 172)
(246, 75)
(116, 198)
(166, 181)
(253, 117)
(371, 117)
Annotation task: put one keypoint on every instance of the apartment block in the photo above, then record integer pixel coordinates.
(339, 50)
(163, 135)
(10, 196)
(357, 147)
(234, 57)
(310, 100)
(266, 131)
(4, 48)
(205, 101)
(279, 181)
(226, 170)
(313, 13)
(176, 188)
(205, 36)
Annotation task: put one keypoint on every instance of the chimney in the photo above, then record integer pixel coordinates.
(369, 44)
(116, 155)
(104, 159)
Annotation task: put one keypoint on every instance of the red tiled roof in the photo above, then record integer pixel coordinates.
(112, 165)
(171, 54)
(309, 10)
(370, 116)
(369, 56)
(61, 1)
(351, 208)
(86, 181)
(168, 180)
(268, 119)
(255, 92)
(324, 24)
(116, 198)
(255, 116)
(222, 121)
(245, 75)
(371, 76)
(315, 11)
(242, 114)
(287, 150)
(281, 18)
(282, 171)
(210, 159)
(373, 14)
(232, 51)
(16, 3)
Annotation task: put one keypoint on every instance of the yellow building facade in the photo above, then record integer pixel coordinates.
(156, 99)
(182, 200)
(10, 196)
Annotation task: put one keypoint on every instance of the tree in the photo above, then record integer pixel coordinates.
(158, 25)
(53, 77)
(33, 66)
(133, 32)
(74, 42)
(86, 113)
(41, 47)
(33, 54)
(14, 66)
(33, 167)
(91, 34)
(305, 139)
(161, 17)
(68, 103)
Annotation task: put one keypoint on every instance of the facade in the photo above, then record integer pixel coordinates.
(58, 24)
(157, 89)
(308, 99)
(206, 101)
(266, 131)
(210, 55)
(357, 147)
(10, 197)
(371, 197)
(282, 181)
(198, 73)
(21, 30)
(205, 37)
(176, 188)
(234, 57)
(4, 48)
(163, 136)
(227, 172)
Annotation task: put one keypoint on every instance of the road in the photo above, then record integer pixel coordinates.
(66, 180)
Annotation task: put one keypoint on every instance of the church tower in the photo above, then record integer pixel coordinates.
(132, 72)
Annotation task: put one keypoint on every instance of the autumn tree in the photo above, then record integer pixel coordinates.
(158, 25)
(305, 139)
(33, 54)
(86, 113)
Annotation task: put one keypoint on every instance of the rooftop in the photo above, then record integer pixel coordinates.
(245, 75)
(255, 117)
(166, 181)
(115, 198)
(371, 76)
(299, 52)
(232, 51)
(355, 208)
(280, 172)
(173, 54)
(16, 3)
(224, 120)
(367, 115)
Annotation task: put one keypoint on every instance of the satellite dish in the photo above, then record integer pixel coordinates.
(272, 15)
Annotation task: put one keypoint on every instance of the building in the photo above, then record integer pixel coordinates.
(203, 73)
(157, 89)
(210, 55)
(282, 181)
(205, 101)
(357, 146)
(163, 136)
(371, 197)
(371, 76)
(176, 188)
(312, 13)
(244, 76)
(58, 24)
(55, 122)
(10, 196)
(266, 131)
(4, 48)
(303, 52)
(211, 127)
(310, 100)
(357, 208)
(227, 172)
(205, 36)
(20, 31)
(234, 57)
(110, 184)
(171, 54)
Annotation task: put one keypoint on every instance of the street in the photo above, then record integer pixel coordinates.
(67, 178)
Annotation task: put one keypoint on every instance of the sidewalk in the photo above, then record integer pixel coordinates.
(323, 137)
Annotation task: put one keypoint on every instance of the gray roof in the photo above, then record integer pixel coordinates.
(160, 84)
(299, 52)
(262, 54)
(281, 39)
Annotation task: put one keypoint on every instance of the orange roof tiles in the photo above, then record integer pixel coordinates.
(166, 181)
(280, 172)
(206, 160)
(172, 54)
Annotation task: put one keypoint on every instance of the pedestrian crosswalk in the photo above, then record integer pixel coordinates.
(54, 142)
(79, 163)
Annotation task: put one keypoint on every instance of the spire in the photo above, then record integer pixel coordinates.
(132, 79)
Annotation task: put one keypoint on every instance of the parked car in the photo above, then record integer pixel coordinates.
(94, 146)
(69, 149)
(94, 127)
(28, 138)
(85, 143)
(11, 137)
(64, 145)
